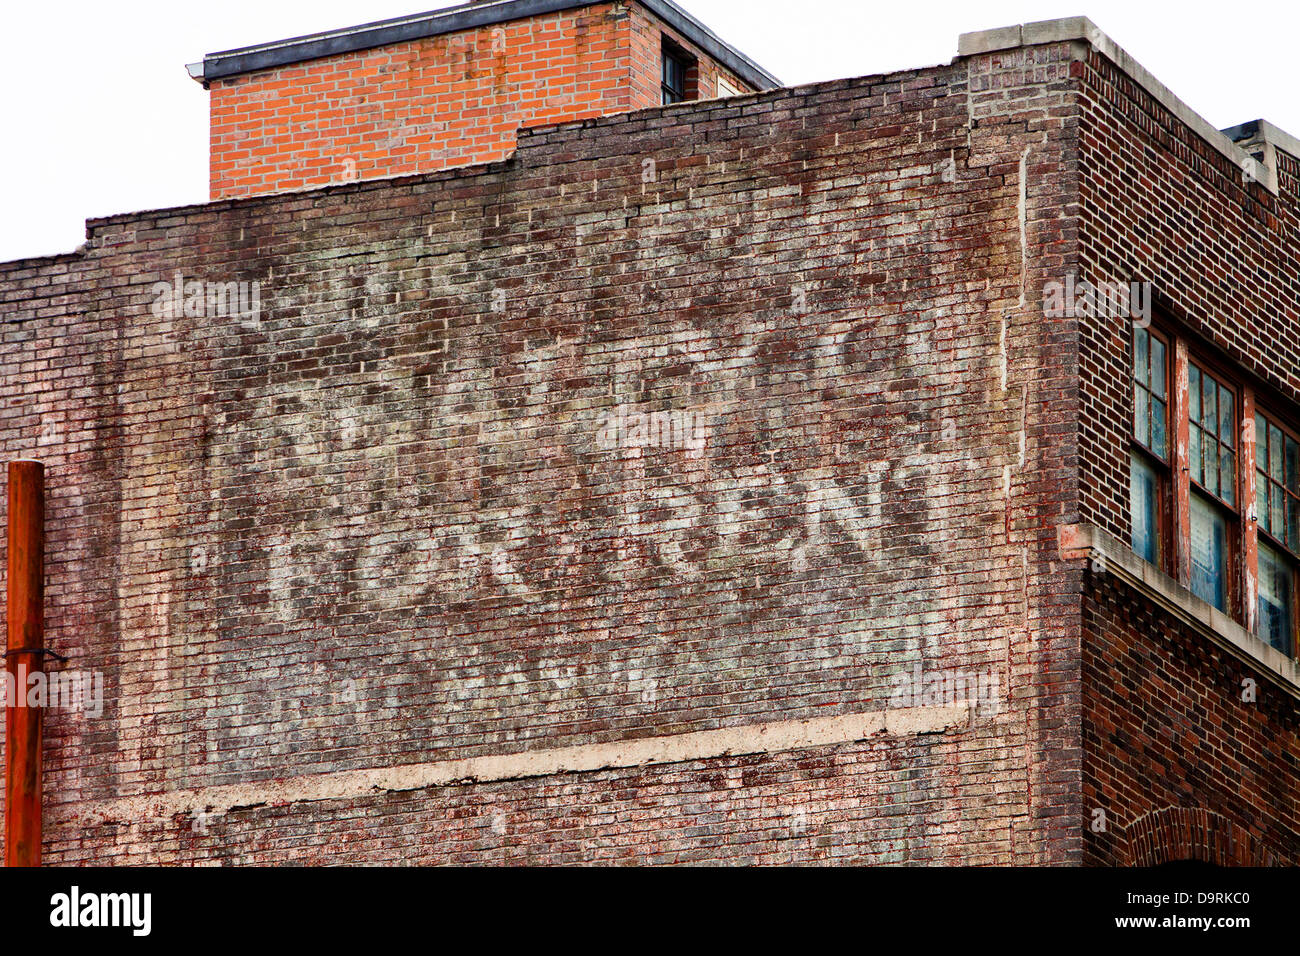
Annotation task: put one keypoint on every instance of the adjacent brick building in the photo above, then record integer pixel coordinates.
(448, 88)
(717, 482)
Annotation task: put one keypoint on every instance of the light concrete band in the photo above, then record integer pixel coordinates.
(584, 758)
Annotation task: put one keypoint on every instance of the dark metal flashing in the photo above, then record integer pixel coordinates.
(1243, 131)
(467, 17)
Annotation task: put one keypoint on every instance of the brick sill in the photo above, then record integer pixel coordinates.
(1110, 557)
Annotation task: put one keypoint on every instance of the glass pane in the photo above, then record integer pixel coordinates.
(1194, 393)
(1227, 418)
(1275, 453)
(1277, 519)
(1211, 452)
(1158, 428)
(1293, 464)
(1140, 359)
(1143, 500)
(673, 74)
(1159, 371)
(1209, 415)
(1228, 477)
(1141, 426)
(1194, 454)
(1292, 538)
(1276, 579)
(1261, 503)
(1209, 553)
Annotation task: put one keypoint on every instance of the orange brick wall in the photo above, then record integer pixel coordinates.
(434, 103)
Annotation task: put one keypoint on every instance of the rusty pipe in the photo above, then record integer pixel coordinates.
(26, 598)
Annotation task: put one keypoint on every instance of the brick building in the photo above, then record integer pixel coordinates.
(874, 471)
(449, 88)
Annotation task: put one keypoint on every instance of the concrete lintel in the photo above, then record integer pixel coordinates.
(1081, 29)
(1111, 557)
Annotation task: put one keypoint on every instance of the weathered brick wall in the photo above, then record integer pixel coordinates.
(434, 103)
(1186, 760)
(1219, 252)
(1165, 726)
(379, 523)
(928, 800)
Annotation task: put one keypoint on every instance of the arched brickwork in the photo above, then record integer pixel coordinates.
(1190, 833)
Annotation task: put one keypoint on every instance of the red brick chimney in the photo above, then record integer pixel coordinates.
(449, 88)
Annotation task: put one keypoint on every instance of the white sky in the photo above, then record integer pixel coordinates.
(101, 117)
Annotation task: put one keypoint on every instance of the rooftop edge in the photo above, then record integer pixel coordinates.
(1081, 29)
(467, 16)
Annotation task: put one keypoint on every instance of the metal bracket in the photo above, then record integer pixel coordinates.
(37, 650)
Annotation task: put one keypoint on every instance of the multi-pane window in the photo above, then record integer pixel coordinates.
(1212, 460)
(675, 67)
(1277, 506)
(1277, 483)
(1212, 435)
(1151, 393)
(1149, 459)
(1222, 558)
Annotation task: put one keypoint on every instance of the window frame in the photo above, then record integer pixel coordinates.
(1162, 466)
(1234, 572)
(1187, 356)
(1287, 432)
(671, 52)
(1229, 383)
(1288, 554)
(1295, 601)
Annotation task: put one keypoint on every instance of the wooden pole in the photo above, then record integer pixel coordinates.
(26, 595)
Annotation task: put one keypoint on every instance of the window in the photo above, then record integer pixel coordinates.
(1277, 483)
(675, 67)
(1212, 435)
(1209, 552)
(1276, 598)
(1222, 558)
(1149, 459)
(1277, 507)
(1144, 505)
(1212, 460)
